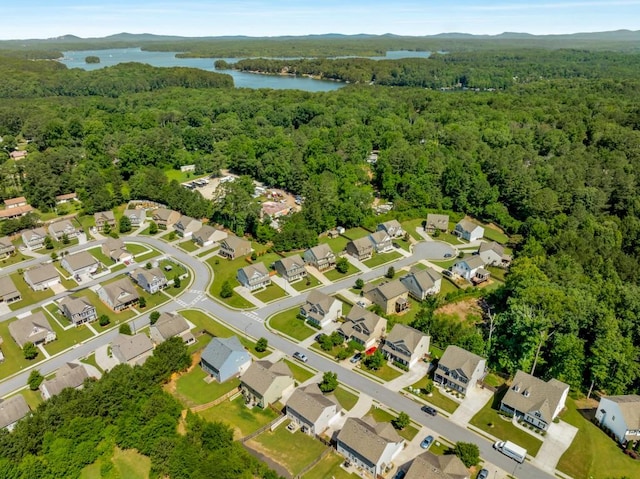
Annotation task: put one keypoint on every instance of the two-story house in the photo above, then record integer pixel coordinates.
(320, 309)
(254, 276)
(621, 416)
(151, 280)
(468, 230)
(320, 257)
(207, 235)
(381, 241)
(493, 254)
(361, 249)
(405, 345)
(6, 247)
(391, 296)
(165, 218)
(436, 222)
(422, 283)
(459, 369)
(392, 227)
(291, 268)
(233, 247)
(81, 263)
(186, 226)
(312, 410)
(264, 383)
(70, 375)
(103, 218)
(115, 249)
(471, 269)
(59, 229)
(8, 291)
(224, 358)
(42, 277)
(169, 325)
(137, 217)
(132, 350)
(119, 295)
(34, 328)
(34, 239)
(363, 326)
(78, 310)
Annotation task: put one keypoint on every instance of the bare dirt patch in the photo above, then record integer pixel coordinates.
(461, 309)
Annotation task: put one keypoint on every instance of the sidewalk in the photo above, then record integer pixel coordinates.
(473, 402)
(417, 372)
(357, 263)
(313, 271)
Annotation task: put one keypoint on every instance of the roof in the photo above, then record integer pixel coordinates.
(163, 213)
(273, 207)
(457, 359)
(5, 242)
(12, 410)
(138, 212)
(15, 211)
(261, 375)
(15, 201)
(380, 236)
(368, 438)
(492, 246)
(75, 305)
(148, 274)
(309, 402)
(219, 350)
(258, 269)
(424, 278)
(132, 346)
(362, 243)
(321, 299)
(186, 222)
(438, 221)
(321, 251)
(171, 324)
(529, 394)
(430, 466)
(120, 287)
(291, 262)
(391, 224)
(80, 260)
(61, 226)
(6, 286)
(629, 404)
(236, 243)
(389, 290)
(68, 376)
(35, 233)
(467, 225)
(108, 215)
(42, 273)
(403, 334)
(113, 244)
(67, 196)
(205, 232)
(33, 328)
(473, 262)
(360, 323)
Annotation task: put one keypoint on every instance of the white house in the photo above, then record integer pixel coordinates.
(80, 263)
(422, 283)
(42, 277)
(393, 228)
(151, 280)
(312, 410)
(621, 415)
(468, 230)
(321, 309)
(471, 268)
(493, 254)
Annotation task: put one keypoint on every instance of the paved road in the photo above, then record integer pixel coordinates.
(253, 324)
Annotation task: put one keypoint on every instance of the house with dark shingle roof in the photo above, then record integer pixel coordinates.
(361, 248)
(68, 376)
(621, 415)
(169, 325)
(431, 466)
(8, 291)
(363, 326)
(224, 358)
(12, 410)
(459, 369)
(264, 383)
(34, 328)
(312, 410)
(320, 309)
(405, 345)
(321, 257)
(535, 401)
(254, 276)
(291, 268)
(78, 310)
(133, 350)
(437, 222)
(422, 283)
(42, 277)
(391, 296)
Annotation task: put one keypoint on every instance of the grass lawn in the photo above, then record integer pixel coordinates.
(346, 398)
(592, 453)
(208, 251)
(33, 398)
(29, 296)
(436, 398)
(169, 236)
(306, 283)
(13, 259)
(329, 468)
(131, 464)
(145, 232)
(446, 264)
(136, 248)
(497, 273)
(270, 293)
(14, 360)
(226, 270)
(382, 258)
(300, 374)
(335, 275)
(67, 338)
(102, 308)
(192, 389)
(502, 428)
(152, 300)
(189, 246)
(146, 256)
(495, 235)
(449, 238)
(386, 372)
(91, 360)
(289, 324)
(340, 243)
(411, 225)
(243, 420)
(182, 176)
(104, 259)
(294, 451)
(380, 415)
(447, 286)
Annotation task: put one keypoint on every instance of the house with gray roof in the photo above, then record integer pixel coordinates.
(42, 277)
(164, 217)
(391, 296)
(320, 308)
(405, 345)
(81, 263)
(12, 410)
(34, 239)
(186, 226)
(471, 269)
(78, 310)
(6, 247)
(151, 280)
(8, 291)
(116, 249)
(58, 229)
(254, 276)
(392, 227)
(133, 350)
(136, 216)
(535, 401)
(421, 283)
(169, 325)
(437, 222)
(291, 268)
(381, 240)
(431, 466)
(34, 328)
(233, 247)
(321, 257)
(493, 254)
(468, 230)
(361, 248)
(119, 295)
(265, 383)
(363, 326)
(207, 235)
(312, 410)
(459, 369)
(70, 375)
(369, 445)
(103, 218)
(224, 358)
(621, 416)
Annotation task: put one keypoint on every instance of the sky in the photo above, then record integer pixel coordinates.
(192, 18)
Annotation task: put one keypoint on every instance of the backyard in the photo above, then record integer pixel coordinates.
(193, 390)
(288, 323)
(242, 420)
(340, 243)
(127, 463)
(329, 468)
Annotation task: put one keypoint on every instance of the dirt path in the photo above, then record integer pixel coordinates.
(264, 455)
(462, 309)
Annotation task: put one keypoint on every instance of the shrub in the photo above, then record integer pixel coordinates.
(261, 345)
(329, 382)
(391, 272)
(468, 453)
(103, 320)
(153, 228)
(401, 421)
(142, 302)
(359, 283)
(29, 350)
(125, 329)
(153, 317)
(399, 365)
(35, 379)
(342, 265)
(226, 291)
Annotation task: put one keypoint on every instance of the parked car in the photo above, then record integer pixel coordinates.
(483, 474)
(429, 410)
(300, 357)
(400, 474)
(426, 442)
(356, 357)
(446, 272)
(448, 255)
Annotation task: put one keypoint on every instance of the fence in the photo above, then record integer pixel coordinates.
(272, 425)
(202, 407)
(309, 466)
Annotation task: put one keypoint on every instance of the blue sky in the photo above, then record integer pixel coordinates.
(51, 18)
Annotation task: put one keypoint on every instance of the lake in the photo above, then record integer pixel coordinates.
(110, 57)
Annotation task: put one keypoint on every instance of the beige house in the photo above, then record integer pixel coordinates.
(321, 257)
(320, 309)
(78, 310)
(459, 369)
(422, 283)
(34, 328)
(207, 235)
(392, 227)
(80, 263)
(405, 345)
(8, 291)
(137, 216)
(186, 226)
(392, 296)
(15, 202)
(133, 350)
(291, 268)
(6, 247)
(115, 249)
(264, 383)
(312, 410)
(233, 247)
(431, 466)
(437, 222)
(68, 376)
(59, 229)
(119, 295)
(104, 218)
(42, 277)
(363, 326)
(361, 249)
(165, 218)
(169, 325)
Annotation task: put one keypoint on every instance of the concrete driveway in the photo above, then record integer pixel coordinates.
(435, 250)
(417, 372)
(475, 400)
(103, 360)
(556, 442)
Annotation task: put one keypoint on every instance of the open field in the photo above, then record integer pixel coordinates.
(288, 323)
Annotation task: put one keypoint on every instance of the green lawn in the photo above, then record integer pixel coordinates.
(169, 236)
(243, 420)
(176, 269)
(449, 238)
(183, 176)
(300, 374)
(306, 283)
(340, 243)
(141, 256)
(270, 293)
(335, 275)
(346, 398)
(226, 270)
(192, 389)
(189, 246)
(33, 398)
(102, 308)
(66, 338)
(386, 372)
(29, 296)
(137, 248)
(446, 264)
(127, 463)
(447, 286)
(495, 235)
(294, 451)
(14, 360)
(145, 232)
(437, 399)
(289, 324)
(382, 258)
(104, 259)
(13, 259)
(497, 273)
(91, 360)
(592, 453)
(329, 468)
(411, 225)
(380, 415)
(208, 251)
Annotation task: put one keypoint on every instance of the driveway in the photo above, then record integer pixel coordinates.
(556, 442)
(417, 372)
(105, 362)
(435, 250)
(475, 400)
(58, 288)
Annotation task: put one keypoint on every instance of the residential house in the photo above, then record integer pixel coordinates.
(207, 235)
(233, 247)
(291, 268)
(320, 309)
(254, 276)
(34, 239)
(169, 325)
(119, 295)
(363, 326)
(66, 198)
(493, 254)
(391, 296)
(422, 283)
(393, 228)
(103, 218)
(6, 247)
(459, 369)
(437, 222)
(15, 202)
(321, 257)
(382, 242)
(59, 229)
(312, 410)
(405, 345)
(42, 277)
(137, 216)
(18, 154)
(116, 250)
(12, 410)
(274, 209)
(620, 415)
(151, 280)
(34, 328)
(16, 212)
(369, 445)
(68, 376)
(264, 383)
(535, 401)
(431, 466)
(78, 310)
(468, 230)
(361, 248)
(224, 358)
(133, 350)
(165, 218)
(8, 291)
(471, 269)
(186, 226)
(80, 263)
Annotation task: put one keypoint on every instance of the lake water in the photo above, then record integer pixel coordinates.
(110, 57)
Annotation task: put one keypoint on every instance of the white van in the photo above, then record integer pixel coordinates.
(511, 450)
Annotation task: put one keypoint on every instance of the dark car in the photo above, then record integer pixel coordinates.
(319, 337)
(426, 442)
(429, 410)
(400, 474)
(356, 357)
(483, 474)
(448, 255)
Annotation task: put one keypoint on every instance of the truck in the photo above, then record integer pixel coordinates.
(511, 450)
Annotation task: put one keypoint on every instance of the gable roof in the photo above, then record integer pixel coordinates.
(430, 466)
(360, 323)
(235, 243)
(163, 214)
(425, 279)
(113, 244)
(15, 201)
(35, 233)
(6, 286)
(219, 350)
(33, 328)
(68, 376)
(318, 298)
(186, 222)
(255, 270)
(120, 287)
(66, 196)
(473, 262)
(5, 243)
(457, 359)
(138, 213)
(13, 409)
(530, 394)
(380, 236)
(42, 273)
(309, 402)
(131, 347)
(75, 305)
(261, 375)
(438, 221)
(80, 260)
(60, 227)
(629, 404)
(388, 290)
(362, 244)
(291, 262)
(171, 324)
(467, 225)
(391, 224)
(105, 215)
(368, 438)
(492, 246)
(148, 274)
(321, 251)
(401, 334)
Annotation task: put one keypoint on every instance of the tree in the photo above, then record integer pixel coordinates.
(125, 224)
(153, 227)
(54, 256)
(35, 379)
(359, 283)
(65, 239)
(261, 345)
(106, 228)
(374, 361)
(391, 272)
(176, 281)
(104, 320)
(329, 382)
(342, 265)
(142, 302)
(401, 421)
(467, 452)
(48, 242)
(148, 265)
(226, 291)
(153, 317)
(125, 329)
(29, 350)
